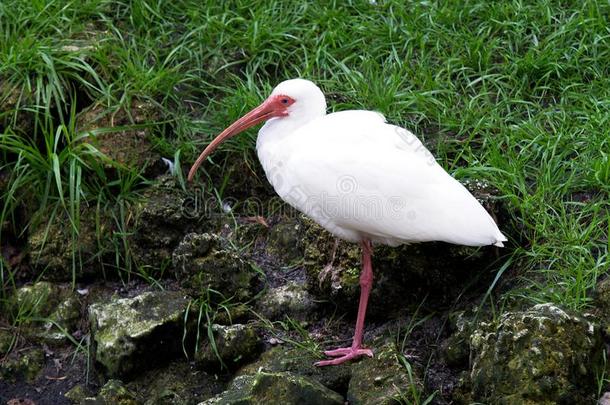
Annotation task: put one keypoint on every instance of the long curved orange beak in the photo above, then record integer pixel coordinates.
(268, 109)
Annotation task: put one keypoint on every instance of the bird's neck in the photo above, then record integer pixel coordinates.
(278, 129)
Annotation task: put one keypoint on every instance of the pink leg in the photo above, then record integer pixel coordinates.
(366, 281)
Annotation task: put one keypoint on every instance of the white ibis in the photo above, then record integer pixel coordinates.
(362, 179)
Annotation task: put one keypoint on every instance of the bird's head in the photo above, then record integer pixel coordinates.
(296, 99)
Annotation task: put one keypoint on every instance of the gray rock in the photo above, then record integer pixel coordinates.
(132, 148)
(292, 300)
(58, 254)
(299, 361)
(284, 242)
(456, 348)
(132, 333)
(542, 355)
(232, 346)
(162, 218)
(275, 388)
(382, 380)
(203, 265)
(179, 383)
(37, 300)
(113, 392)
(23, 364)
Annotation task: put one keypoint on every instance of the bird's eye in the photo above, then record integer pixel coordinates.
(284, 101)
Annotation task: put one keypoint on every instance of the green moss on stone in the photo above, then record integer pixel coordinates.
(276, 388)
(542, 355)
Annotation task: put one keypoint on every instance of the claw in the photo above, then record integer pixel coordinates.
(342, 355)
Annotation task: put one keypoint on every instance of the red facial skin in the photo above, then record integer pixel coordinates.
(274, 106)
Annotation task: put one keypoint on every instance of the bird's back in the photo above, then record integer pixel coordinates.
(360, 177)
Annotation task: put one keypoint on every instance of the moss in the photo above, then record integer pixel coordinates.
(37, 300)
(58, 254)
(284, 242)
(300, 362)
(126, 331)
(178, 383)
(113, 392)
(161, 220)
(78, 394)
(202, 265)
(233, 346)
(133, 148)
(25, 364)
(381, 380)
(276, 388)
(542, 355)
(291, 300)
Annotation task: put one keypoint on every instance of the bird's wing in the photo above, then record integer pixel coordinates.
(353, 171)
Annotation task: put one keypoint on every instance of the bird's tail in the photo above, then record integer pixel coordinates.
(499, 239)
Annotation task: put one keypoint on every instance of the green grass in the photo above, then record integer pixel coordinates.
(512, 92)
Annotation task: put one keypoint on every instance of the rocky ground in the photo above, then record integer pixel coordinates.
(235, 309)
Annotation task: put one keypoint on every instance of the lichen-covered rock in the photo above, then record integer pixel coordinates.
(64, 320)
(37, 300)
(602, 303)
(7, 339)
(382, 380)
(456, 348)
(130, 147)
(56, 305)
(203, 265)
(59, 254)
(78, 394)
(299, 361)
(275, 388)
(285, 243)
(540, 356)
(162, 218)
(292, 300)
(17, 104)
(113, 392)
(179, 383)
(24, 364)
(132, 333)
(233, 345)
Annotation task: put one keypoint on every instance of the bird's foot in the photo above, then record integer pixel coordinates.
(342, 355)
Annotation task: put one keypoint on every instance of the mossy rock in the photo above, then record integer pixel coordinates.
(300, 361)
(131, 334)
(382, 380)
(179, 383)
(162, 218)
(292, 300)
(540, 356)
(56, 304)
(129, 147)
(59, 254)
(15, 103)
(284, 242)
(275, 388)
(456, 348)
(36, 300)
(203, 265)
(78, 394)
(7, 340)
(24, 364)
(113, 392)
(233, 345)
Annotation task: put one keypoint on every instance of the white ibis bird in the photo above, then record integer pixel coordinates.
(364, 180)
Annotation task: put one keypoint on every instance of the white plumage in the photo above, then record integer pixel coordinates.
(361, 178)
